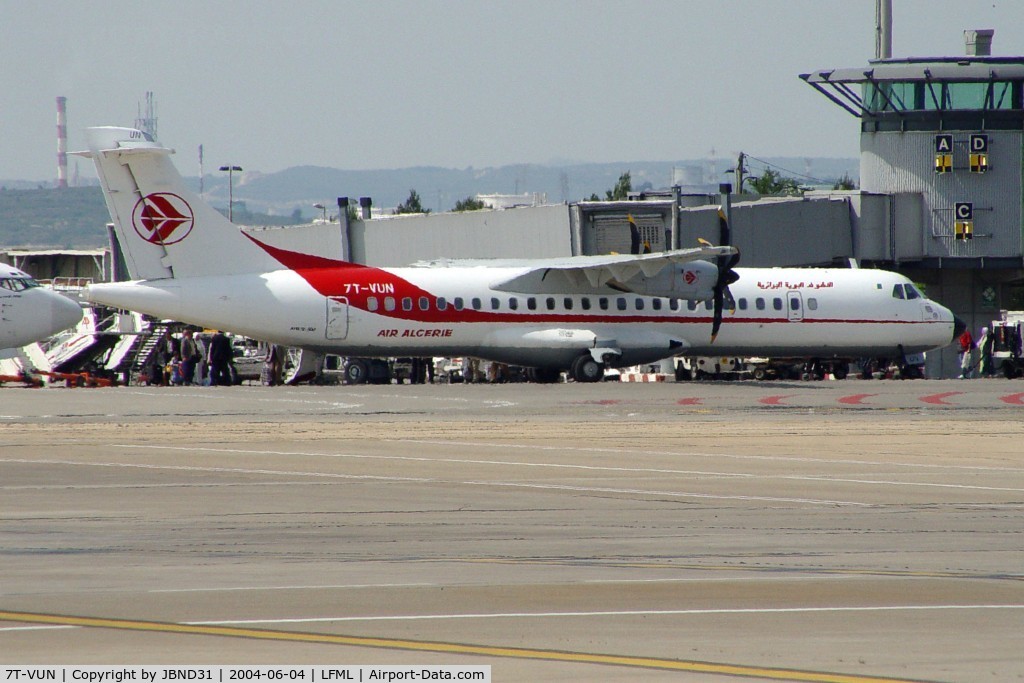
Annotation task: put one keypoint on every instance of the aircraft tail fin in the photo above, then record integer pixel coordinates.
(164, 228)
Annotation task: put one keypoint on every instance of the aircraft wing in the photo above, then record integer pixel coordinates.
(595, 270)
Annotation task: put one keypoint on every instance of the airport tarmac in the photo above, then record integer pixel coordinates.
(848, 531)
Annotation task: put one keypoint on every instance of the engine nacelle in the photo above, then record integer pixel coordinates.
(693, 281)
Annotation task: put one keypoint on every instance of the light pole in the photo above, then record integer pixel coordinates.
(231, 189)
(322, 208)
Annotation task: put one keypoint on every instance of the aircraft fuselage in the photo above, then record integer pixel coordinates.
(363, 311)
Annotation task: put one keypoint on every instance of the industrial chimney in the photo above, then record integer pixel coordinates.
(883, 29)
(62, 142)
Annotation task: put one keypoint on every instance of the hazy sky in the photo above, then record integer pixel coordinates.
(390, 84)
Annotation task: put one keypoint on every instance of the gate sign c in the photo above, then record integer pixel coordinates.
(964, 211)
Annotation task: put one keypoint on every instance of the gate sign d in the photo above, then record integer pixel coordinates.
(979, 153)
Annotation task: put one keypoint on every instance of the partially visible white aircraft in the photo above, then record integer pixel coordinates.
(580, 313)
(30, 312)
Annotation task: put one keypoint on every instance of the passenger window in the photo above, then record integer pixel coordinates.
(495, 303)
(602, 303)
(372, 304)
(531, 303)
(568, 303)
(585, 303)
(743, 303)
(656, 304)
(709, 304)
(477, 304)
(513, 303)
(550, 302)
(458, 303)
(639, 303)
(759, 303)
(673, 304)
(812, 304)
(407, 303)
(620, 303)
(389, 303)
(692, 305)
(424, 303)
(777, 304)
(442, 303)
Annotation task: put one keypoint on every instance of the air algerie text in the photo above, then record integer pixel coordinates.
(428, 332)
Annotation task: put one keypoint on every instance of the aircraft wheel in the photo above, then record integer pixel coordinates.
(760, 374)
(586, 369)
(356, 372)
(839, 371)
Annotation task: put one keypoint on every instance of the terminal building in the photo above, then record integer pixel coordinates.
(941, 144)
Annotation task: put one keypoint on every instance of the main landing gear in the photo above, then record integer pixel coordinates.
(586, 369)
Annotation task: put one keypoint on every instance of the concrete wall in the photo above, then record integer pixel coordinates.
(778, 232)
(533, 232)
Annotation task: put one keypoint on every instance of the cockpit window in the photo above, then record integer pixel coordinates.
(906, 291)
(18, 284)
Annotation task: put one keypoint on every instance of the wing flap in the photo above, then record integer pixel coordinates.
(599, 270)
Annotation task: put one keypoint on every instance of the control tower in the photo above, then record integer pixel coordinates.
(942, 139)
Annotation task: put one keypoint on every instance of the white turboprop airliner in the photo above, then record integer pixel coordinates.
(29, 312)
(580, 313)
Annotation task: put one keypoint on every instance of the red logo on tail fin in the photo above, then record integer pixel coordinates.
(162, 218)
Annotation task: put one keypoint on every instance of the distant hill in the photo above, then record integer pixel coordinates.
(72, 218)
(440, 188)
(76, 217)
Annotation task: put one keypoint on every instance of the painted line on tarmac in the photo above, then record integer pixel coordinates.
(812, 572)
(450, 648)
(602, 468)
(609, 613)
(417, 480)
(734, 456)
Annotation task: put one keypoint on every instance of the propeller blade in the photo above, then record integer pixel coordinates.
(724, 236)
(634, 235)
(726, 274)
(716, 322)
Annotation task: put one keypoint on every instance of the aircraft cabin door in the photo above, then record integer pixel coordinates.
(795, 306)
(337, 318)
